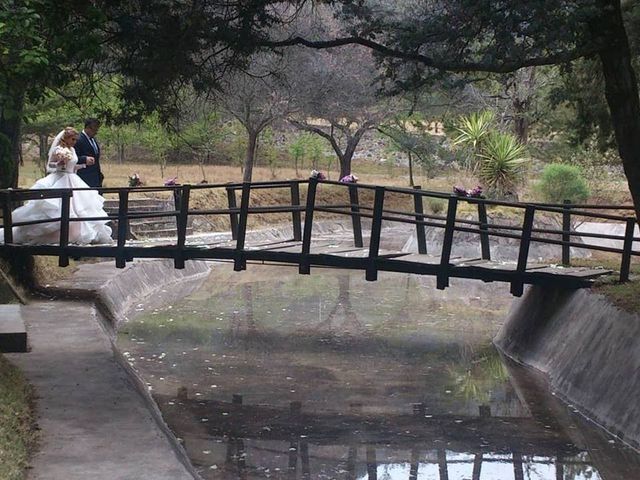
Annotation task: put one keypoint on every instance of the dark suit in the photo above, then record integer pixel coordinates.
(92, 175)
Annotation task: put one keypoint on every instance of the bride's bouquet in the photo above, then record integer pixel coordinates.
(60, 157)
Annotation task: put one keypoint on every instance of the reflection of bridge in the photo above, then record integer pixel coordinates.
(443, 440)
(376, 203)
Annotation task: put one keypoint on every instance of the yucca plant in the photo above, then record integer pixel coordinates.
(502, 163)
(472, 131)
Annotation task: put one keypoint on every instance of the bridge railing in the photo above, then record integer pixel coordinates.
(364, 203)
(450, 223)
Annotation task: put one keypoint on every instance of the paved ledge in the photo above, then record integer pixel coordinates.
(13, 335)
(96, 419)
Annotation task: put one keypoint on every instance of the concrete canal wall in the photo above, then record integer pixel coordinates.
(589, 349)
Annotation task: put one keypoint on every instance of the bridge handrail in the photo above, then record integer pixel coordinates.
(376, 212)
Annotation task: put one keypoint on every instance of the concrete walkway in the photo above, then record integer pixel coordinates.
(94, 422)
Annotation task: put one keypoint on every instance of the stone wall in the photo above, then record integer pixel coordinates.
(589, 349)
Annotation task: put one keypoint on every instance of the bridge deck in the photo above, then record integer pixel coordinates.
(344, 255)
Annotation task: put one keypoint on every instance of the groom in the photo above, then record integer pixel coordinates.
(88, 153)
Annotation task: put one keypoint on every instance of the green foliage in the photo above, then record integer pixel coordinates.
(43, 44)
(408, 135)
(560, 182)
(268, 151)
(472, 132)
(307, 146)
(435, 205)
(502, 162)
(157, 139)
(474, 128)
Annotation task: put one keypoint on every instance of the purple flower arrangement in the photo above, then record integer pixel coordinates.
(351, 178)
(170, 182)
(473, 193)
(318, 175)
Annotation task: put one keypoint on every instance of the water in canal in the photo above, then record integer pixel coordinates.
(269, 374)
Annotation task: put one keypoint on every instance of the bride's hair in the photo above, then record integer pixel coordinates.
(67, 133)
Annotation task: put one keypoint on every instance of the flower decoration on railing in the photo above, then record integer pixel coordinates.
(460, 191)
(473, 193)
(351, 178)
(135, 180)
(318, 175)
(171, 182)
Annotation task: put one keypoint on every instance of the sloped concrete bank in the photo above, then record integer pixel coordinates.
(588, 348)
(116, 292)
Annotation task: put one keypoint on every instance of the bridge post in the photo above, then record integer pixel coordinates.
(7, 223)
(372, 463)
(420, 231)
(625, 265)
(123, 220)
(443, 468)
(517, 285)
(442, 279)
(518, 467)
(355, 216)
(415, 464)
(182, 221)
(484, 228)
(566, 236)
(296, 217)
(304, 266)
(233, 217)
(65, 208)
(376, 229)
(239, 262)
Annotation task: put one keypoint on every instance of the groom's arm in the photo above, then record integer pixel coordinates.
(81, 150)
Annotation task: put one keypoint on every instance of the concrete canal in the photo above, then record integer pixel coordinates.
(269, 374)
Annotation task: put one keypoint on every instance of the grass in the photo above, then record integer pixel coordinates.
(625, 296)
(17, 424)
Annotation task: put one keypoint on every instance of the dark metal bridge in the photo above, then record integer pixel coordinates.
(373, 206)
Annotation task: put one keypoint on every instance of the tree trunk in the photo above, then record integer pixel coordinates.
(345, 164)
(43, 149)
(521, 128)
(121, 153)
(249, 158)
(10, 126)
(524, 86)
(621, 91)
(411, 183)
(347, 156)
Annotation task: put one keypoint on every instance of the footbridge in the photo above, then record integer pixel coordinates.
(369, 210)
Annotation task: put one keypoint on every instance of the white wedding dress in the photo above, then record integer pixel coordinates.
(84, 203)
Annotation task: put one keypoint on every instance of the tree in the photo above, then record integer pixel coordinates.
(337, 100)
(501, 37)
(45, 44)
(408, 135)
(257, 98)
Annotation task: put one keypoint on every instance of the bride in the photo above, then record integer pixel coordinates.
(62, 166)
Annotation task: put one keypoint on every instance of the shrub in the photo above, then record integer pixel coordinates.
(561, 182)
(502, 164)
(436, 205)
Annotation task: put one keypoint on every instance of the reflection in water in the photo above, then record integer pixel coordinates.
(276, 375)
